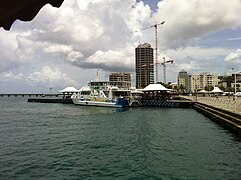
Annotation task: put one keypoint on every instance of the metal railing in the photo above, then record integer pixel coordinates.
(222, 102)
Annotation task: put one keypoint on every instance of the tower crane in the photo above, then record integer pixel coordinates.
(156, 45)
(164, 68)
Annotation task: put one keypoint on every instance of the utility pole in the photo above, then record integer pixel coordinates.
(235, 83)
(164, 68)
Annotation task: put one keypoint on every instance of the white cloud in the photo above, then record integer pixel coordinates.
(197, 59)
(197, 53)
(58, 48)
(111, 60)
(190, 19)
(10, 76)
(64, 50)
(50, 77)
(234, 39)
(234, 56)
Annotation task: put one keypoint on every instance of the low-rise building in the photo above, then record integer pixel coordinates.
(120, 79)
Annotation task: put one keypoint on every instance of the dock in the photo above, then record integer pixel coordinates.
(51, 100)
(29, 95)
(168, 103)
(42, 98)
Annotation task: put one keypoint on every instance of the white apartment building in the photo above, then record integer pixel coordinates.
(202, 80)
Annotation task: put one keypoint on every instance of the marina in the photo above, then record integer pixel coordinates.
(131, 89)
(55, 141)
(220, 110)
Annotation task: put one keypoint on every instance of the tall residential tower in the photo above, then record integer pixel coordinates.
(144, 65)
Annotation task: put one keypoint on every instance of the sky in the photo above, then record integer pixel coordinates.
(66, 46)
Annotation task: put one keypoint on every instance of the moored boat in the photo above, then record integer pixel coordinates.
(98, 97)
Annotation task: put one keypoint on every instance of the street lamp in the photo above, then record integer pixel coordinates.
(234, 83)
(195, 88)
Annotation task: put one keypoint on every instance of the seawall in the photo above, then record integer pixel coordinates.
(224, 117)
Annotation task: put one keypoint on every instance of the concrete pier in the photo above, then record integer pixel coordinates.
(29, 95)
(168, 103)
(42, 98)
(51, 100)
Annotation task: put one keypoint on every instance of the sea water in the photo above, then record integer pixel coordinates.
(64, 141)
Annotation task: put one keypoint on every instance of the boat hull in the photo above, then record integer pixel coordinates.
(97, 103)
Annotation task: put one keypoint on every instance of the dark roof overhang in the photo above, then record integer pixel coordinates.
(24, 10)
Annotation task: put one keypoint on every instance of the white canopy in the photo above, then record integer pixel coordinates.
(155, 87)
(136, 91)
(85, 88)
(203, 91)
(216, 90)
(69, 89)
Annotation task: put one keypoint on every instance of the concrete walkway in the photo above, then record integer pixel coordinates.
(222, 102)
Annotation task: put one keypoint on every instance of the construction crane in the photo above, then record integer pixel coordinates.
(164, 68)
(156, 44)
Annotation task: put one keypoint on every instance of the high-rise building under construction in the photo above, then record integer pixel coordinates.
(144, 65)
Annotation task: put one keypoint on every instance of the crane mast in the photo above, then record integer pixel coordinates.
(156, 47)
(164, 68)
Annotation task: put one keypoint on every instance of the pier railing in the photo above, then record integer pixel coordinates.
(222, 102)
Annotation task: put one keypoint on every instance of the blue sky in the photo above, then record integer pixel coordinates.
(66, 46)
(151, 3)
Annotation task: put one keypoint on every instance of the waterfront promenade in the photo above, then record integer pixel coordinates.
(222, 102)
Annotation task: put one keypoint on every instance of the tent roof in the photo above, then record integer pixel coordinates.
(155, 87)
(24, 10)
(137, 91)
(216, 90)
(69, 89)
(85, 88)
(202, 91)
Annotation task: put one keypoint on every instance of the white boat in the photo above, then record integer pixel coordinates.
(98, 97)
(119, 103)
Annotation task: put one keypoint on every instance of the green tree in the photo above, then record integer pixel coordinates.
(222, 88)
(230, 89)
(238, 87)
(182, 88)
(208, 88)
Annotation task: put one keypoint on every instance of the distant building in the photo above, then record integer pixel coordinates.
(203, 80)
(99, 84)
(238, 81)
(144, 65)
(183, 80)
(120, 79)
(225, 82)
(238, 77)
(228, 82)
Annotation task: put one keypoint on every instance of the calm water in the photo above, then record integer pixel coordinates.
(56, 141)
